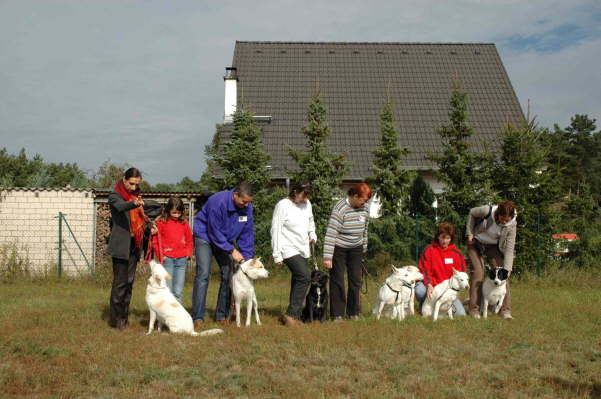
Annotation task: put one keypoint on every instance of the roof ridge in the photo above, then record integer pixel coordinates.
(367, 43)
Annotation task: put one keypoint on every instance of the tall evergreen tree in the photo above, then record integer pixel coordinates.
(390, 180)
(465, 173)
(576, 155)
(317, 165)
(209, 178)
(421, 198)
(242, 158)
(522, 175)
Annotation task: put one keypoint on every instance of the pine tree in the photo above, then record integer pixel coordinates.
(318, 166)
(210, 179)
(421, 198)
(389, 180)
(576, 155)
(522, 175)
(466, 174)
(242, 158)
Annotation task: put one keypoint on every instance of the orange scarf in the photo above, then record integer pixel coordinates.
(137, 219)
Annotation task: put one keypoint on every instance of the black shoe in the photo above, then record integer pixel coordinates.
(122, 324)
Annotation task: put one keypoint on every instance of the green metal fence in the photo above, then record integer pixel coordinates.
(63, 220)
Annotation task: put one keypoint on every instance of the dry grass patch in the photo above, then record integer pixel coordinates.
(55, 343)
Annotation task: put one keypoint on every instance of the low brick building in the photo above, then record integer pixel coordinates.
(29, 224)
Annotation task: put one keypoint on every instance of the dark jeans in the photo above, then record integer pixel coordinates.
(124, 272)
(204, 253)
(349, 260)
(301, 278)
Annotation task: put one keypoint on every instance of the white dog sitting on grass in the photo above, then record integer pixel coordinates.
(444, 294)
(398, 291)
(243, 288)
(165, 309)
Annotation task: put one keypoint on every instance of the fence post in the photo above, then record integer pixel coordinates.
(417, 237)
(60, 244)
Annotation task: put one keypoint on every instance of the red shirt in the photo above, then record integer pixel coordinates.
(176, 238)
(437, 264)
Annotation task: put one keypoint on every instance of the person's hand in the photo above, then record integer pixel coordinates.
(138, 201)
(237, 256)
(280, 264)
(154, 229)
(311, 241)
(327, 263)
(470, 239)
(429, 290)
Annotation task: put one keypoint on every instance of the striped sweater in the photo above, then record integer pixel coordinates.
(347, 228)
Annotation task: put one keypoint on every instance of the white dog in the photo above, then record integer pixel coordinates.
(243, 288)
(444, 294)
(398, 291)
(494, 289)
(165, 309)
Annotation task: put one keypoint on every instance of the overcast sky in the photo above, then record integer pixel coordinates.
(142, 81)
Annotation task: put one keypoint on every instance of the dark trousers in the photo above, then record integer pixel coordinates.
(124, 272)
(349, 260)
(301, 278)
(477, 253)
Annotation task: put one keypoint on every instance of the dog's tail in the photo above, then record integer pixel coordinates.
(212, 331)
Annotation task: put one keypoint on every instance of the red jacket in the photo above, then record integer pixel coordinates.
(437, 264)
(176, 238)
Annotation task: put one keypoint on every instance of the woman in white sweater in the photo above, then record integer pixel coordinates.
(292, 232)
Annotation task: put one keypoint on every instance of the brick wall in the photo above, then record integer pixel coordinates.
(28, 219)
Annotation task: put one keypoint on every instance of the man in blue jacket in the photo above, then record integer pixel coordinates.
(226, 219)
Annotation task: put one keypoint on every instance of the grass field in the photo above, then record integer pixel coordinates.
(54, 342)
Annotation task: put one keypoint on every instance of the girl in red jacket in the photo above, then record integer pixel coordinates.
(437, 264)
(176, 244)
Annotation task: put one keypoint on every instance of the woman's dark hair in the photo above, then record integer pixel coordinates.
(445, 228)
(298, 188)
(505, 208)
(132, 172)
(360, 189)
(177, 204)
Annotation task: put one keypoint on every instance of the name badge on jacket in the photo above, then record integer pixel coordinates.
(448, 261)
(242, 218)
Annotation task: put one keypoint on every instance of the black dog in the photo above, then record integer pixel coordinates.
(317, 299)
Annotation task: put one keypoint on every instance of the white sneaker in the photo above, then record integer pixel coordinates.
(507, 316)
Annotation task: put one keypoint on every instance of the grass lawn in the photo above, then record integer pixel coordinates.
(54, 342)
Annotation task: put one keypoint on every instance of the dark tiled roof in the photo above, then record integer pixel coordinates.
(67, 188)
(278, 79)
(158, 194)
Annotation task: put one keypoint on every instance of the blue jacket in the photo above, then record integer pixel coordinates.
(221, 223)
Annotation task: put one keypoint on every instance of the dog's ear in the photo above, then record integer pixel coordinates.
(503, 274)
(157, 277)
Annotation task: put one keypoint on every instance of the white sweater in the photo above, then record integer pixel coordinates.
(292, 227)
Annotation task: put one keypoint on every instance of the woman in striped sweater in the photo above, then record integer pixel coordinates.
(344, 245)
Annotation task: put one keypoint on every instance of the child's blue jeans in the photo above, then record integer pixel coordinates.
(176, 267)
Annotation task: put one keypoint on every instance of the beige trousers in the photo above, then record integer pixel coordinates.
(495, 259)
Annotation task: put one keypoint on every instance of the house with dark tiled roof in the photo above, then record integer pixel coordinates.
(275, 80)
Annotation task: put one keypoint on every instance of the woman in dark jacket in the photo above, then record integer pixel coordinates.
(125, 242)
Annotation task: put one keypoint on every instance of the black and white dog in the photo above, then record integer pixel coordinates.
(317, 299)
(494, 289)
